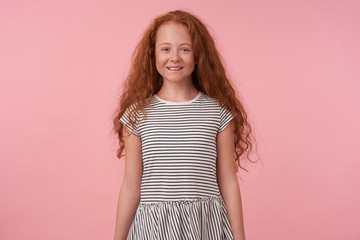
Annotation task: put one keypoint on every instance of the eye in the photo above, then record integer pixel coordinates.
(185, 50)
(165, 49)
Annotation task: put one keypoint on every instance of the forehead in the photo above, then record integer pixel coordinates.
(172, 32)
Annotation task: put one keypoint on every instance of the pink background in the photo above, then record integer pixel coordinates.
(296, 64)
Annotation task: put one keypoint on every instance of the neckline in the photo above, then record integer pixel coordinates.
(186, 102)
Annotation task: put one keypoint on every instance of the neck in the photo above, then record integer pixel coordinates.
(176, 92)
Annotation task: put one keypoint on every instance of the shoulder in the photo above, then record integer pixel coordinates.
(213, 103)
(210, 100)
(136, 106)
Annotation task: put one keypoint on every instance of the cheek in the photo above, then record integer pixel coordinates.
(159, 64)
(159, 60)
(190, 59)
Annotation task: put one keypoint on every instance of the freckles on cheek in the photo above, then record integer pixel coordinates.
(157, 56)
(159, 61)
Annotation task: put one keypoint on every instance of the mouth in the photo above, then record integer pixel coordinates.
(174, 68)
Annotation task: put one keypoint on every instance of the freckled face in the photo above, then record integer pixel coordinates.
(173, 52)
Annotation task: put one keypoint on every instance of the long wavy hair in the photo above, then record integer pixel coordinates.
(209, 77)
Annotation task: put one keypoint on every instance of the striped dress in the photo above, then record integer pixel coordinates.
(180, 198)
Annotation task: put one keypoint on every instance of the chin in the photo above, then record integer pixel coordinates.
(176, 79)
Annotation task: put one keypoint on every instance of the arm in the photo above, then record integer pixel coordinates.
(129, 196)
(228, 183)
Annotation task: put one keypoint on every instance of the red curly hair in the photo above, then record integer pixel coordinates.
(209, 77)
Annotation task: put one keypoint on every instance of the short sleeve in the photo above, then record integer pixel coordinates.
(225, 118)
(125, 120)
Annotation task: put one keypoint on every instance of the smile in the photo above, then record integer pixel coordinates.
(174, 69)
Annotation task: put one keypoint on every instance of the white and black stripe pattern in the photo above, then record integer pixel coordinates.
(179, 168)
(204, 219)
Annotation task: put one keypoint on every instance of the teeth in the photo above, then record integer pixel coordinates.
(175, 68)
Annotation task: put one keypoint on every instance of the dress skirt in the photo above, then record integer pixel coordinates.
(200, 219)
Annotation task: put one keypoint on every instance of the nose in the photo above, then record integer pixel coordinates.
(175, 57)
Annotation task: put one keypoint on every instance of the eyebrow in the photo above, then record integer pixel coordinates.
(165, 43)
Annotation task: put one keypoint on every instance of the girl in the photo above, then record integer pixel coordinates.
(185, 132)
